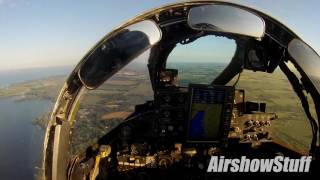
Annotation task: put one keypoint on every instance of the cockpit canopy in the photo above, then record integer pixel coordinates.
(125, 44)
(261, 44)
(261, 41)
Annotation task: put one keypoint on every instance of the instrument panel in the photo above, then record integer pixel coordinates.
(210, 110)
(170, 111)
(223, 110)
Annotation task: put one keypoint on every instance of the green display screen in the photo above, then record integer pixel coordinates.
(206, 113)
(205, 121)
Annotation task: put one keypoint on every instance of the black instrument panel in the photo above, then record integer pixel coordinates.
(175, 106)
(170, 110)
(210, 111)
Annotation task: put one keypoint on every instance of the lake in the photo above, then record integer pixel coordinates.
(21, 142)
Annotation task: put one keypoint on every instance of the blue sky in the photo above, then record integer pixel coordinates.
(37, 33)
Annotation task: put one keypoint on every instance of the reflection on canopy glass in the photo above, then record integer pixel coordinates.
(307, 58)
(228, 19)
(117, 51)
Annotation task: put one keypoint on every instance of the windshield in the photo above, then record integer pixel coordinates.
(202, 60)
(291, 128)
(102, 109)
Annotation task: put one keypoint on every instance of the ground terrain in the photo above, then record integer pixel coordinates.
(104, 108)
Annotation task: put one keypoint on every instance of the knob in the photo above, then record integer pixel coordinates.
(255, 137)
(201, 166)
(237, 129)
(164, 162)
(105, 150)
(167, 113)
(256, 123)
(249, 123)
(167, 98)
(268, 123)
(247, 137)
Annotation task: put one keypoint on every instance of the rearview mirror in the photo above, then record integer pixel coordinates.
(226, 18)
(115, 52)
(307, 58)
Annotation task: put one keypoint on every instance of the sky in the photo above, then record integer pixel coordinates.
(205, 49)
(44, 33)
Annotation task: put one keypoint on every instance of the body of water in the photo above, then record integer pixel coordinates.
(8, 77)
(21, 142)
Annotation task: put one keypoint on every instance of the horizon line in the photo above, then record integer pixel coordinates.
(74, 65)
